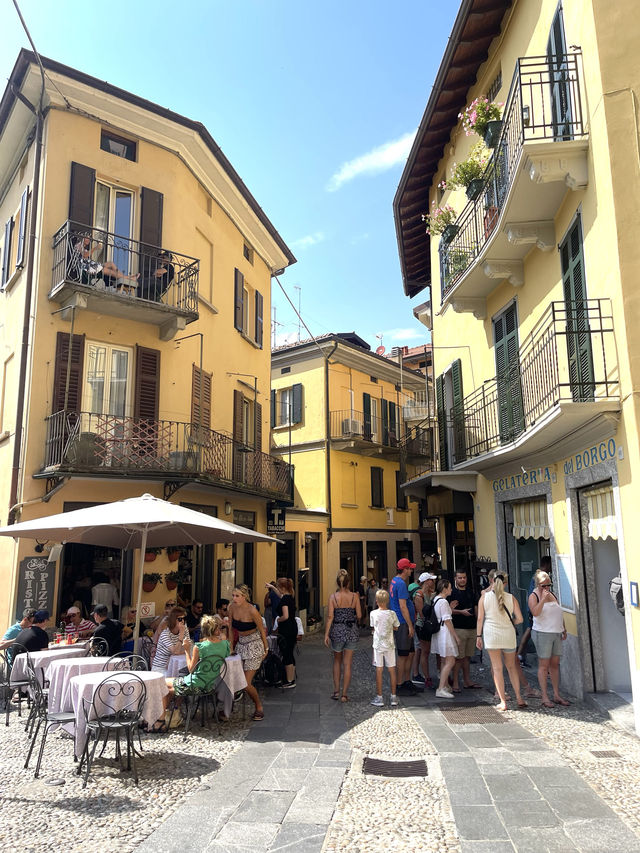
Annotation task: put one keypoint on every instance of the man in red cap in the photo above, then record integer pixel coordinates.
(401, 603)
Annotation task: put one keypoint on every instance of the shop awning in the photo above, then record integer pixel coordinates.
(457, 481)
(602, 513)
(530, 520)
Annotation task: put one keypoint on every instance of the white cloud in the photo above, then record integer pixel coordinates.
(308, 241)
(378, 160)
(359, 238)
(401, 336)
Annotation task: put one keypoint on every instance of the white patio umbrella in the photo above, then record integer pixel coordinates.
(142, 522)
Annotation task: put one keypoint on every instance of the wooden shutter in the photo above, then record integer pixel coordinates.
(580, 356)
(393, 424)
(238, 310)
(401, 498)
(297, 403)
(74, 368)
(81, 195)
(6, 252)
(559, 78)
(257, 415)
(377, 491)
(366, 408)
(384, 404)
(259, 323)
(150, 220)
(273, 408)
(147, 384)
(206, 397)
(24, 204)
(237, 436)
(458, 412)
(442, 423)
(509, 388)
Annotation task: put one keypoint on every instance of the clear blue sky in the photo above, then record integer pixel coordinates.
(314, 103)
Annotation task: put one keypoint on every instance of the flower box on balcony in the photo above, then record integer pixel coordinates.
(449, 233)
(474, 188)
(490, 219)
(492, 133)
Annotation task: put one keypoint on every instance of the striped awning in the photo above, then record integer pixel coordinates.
(602, 513)
(530, 520)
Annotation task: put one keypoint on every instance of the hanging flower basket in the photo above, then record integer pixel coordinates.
(150, 580)
(173, 554)
(170, 584)
(172, 579)
(149, 556)
(474, 188)
(492, 133)
(449, 233)
(439, 218)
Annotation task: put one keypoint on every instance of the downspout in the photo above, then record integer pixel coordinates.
(26, 326)
(327, 440)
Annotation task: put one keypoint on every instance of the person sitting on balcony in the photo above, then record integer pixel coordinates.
(157, 275)
(82, 267)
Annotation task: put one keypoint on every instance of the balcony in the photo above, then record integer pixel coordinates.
(418, 408)
(114, 275)
(371, 435)
(560, 394)
(82, 443)
(542, 150)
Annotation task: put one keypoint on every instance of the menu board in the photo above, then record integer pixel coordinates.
(36, 583)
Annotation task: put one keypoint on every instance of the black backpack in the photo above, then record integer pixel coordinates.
(431, 623)
(273, 671)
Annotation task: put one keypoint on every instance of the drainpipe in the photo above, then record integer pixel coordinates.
(327, 441)
(26, 326)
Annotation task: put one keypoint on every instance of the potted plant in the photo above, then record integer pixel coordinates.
(441, 221)
(173, 552)
(172, 579)
(457, 261)
(468, 175)
(483, 117)
(149, 581)
(150, 554)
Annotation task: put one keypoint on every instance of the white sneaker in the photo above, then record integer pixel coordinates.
(378, 702)
(394, 700)
(443, 694)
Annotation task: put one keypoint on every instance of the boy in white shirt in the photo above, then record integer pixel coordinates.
(384, 622)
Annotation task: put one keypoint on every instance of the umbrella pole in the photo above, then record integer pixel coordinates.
(136, 633)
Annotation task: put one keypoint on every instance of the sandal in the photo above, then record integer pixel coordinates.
(562, 702)
(259, 715)
(547, 704)
(335, 695)
(159, 727)
(344, 698)
(522, 704)
(472, 686)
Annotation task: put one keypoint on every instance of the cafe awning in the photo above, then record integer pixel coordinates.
(530, 520)
(602, 513)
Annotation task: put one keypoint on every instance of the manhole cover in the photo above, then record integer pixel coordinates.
(377, 767)
(605, 753)
(469, 714)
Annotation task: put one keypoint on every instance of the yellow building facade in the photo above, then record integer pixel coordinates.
(351, 423)
(534, 284)
(136, 275)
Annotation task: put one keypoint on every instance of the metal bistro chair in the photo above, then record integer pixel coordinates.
(200, 697)
(42, 717)
(116, 707)
(98, 647)
(6, 689)
(125, 661)
(12, 652)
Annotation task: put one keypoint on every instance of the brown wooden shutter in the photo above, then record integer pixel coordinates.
(258, 421)
(206, 397)
(237, 436)
(81, 195)
(74, 399)
(259, 323)
(147, 384)
(238, 298)
(150, 220)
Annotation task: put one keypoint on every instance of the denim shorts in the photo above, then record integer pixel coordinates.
(548, 644)
(344, 646)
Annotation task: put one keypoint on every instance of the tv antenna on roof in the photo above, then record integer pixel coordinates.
(380, 350)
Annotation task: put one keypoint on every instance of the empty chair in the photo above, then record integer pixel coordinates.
(126, 661)
(116, 707)
(98, 647)
(6, 690)
(20, 683)
(42, 717)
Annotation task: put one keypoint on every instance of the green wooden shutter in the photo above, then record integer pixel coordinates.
(24, 204)
(366, 408)
(393, 424)
(377, 487)
(509, 388)
(238, 300)
(258, 318)
(442, 424)
(6, 252)
(580, 356)
(297, 403)
(273, 408)
(385, 421)
(459, 445)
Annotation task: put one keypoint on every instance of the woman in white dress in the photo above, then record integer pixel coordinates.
(498, 614)
(445, 641)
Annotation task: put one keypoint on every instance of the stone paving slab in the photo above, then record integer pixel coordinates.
(515, 814)
(543, 839)
(598, 835)
(264, 807)
(299, 837)
(478, 822)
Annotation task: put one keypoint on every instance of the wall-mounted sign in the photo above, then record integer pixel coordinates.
(526, 478)
(36, 582)
(276, 518)
(592, 456)
(147, 609)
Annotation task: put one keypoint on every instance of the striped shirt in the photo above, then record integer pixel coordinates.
(85, 626)
(163, 650)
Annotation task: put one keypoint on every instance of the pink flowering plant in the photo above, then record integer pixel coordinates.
(478, 114)
(470, 169)
(439, 218)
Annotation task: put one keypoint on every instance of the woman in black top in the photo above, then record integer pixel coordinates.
(287, 626)
(248, 639)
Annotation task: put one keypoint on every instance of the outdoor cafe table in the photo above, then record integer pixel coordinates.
(42, 660)
(61, 671)
(82, 687)
(233, 681)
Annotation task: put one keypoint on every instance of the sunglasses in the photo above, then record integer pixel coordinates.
(180, 619)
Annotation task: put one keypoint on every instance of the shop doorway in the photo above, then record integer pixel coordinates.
(309, 578)
(613, 634)
(404, 548)
(377, 561)
(461, 545)
(85, 567)
(529, 553)
(286, 556)
(351, 561)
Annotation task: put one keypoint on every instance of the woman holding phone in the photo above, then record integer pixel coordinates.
(548, 633)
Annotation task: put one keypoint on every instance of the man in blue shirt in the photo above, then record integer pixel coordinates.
(401, 603)
(12, 632)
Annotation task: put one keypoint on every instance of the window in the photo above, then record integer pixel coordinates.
(107, 380)
(114, 213)
(286, 406)
(401, 498)
(494, 88)
(6, 252)
(117, 145)
(510, 407)
(579, 352)
(247, 252)
(248, 309)
(377, 487)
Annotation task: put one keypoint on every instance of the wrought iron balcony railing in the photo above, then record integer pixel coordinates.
(84, 442)
(543, 104)
(569, 356)
(104, 263)
(416, 441)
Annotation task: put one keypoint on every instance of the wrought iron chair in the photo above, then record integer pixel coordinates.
(98, 647)
(126, 661)
(12, 652)
(43, 718)
(6, 689)
(195, 697)
(116, 707)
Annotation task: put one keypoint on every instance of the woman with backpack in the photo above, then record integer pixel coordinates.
(445, 641)
(498, 614)
(423, 595)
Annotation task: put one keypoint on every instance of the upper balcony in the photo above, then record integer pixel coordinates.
(121, 277)
(101, 445)
(542, 149)
(372, 435)
(559, 393)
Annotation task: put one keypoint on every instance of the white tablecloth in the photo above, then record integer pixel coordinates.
(42, 660)
(84, 686)
(233, 681)
(61, 671)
